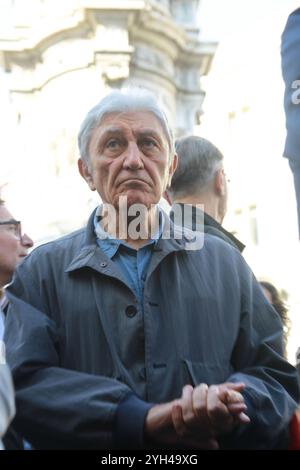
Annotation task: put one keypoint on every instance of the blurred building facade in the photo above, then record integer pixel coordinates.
(57, 59)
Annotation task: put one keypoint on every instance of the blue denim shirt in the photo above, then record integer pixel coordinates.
(132, 263)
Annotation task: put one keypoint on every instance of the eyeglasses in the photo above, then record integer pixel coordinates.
(13, 226)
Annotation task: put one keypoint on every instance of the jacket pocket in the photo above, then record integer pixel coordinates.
(199, 372)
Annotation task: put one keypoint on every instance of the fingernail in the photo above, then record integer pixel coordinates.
(245, 418)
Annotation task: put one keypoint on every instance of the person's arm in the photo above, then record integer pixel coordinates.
(57, 407)
(62, 408)
(198, 417)
(271, 385)
(7, 401)
(290, 63)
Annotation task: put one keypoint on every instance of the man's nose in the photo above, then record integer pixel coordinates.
(26, 241)
(133, 158)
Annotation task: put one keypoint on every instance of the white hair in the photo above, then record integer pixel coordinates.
(137, 99)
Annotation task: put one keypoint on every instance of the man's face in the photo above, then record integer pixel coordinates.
(129, 156)
(12, 249)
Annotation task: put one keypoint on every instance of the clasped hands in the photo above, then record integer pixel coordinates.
(197, 418)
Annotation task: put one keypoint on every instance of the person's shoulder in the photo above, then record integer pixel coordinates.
(295, 13)
(56, 249)
(61, 242)
(218, 242)
(199, 241)
(203, 246)
(291, 28)
(226, 237)
(210, 230)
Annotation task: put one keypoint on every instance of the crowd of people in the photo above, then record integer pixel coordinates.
(143, 329)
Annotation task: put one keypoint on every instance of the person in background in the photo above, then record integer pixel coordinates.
(275, 299)
(125, 335)
(200, 178)
(290, 64)
(13, 248)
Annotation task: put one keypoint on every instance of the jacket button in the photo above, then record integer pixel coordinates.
(131, 311)
(103, 264)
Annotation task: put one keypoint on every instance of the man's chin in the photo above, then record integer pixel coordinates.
(132, 197)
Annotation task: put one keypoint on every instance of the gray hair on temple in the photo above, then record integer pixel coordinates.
(198, 160)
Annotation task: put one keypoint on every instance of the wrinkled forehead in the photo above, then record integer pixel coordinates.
(132, 120)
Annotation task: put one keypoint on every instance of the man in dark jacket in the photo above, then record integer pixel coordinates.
(12, 250)
(130, 333)
(14, 247)
(200, 180)
(290, 56)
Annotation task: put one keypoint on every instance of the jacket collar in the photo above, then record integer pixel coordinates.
(90, 255)
(211, 222)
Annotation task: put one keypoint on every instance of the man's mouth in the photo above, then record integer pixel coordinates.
(133, 182)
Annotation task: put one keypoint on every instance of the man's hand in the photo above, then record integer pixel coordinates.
(209, 411)
(198, 417)
(159, 429)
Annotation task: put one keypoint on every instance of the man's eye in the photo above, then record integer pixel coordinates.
(113, 144)
(148, 143)
(11, 229)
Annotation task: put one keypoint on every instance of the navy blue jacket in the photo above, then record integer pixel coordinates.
(290, 61)
(79, 347)
(290, 55)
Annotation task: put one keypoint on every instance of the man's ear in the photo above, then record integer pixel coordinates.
(86, 174)
(172, 169)
(219, 182)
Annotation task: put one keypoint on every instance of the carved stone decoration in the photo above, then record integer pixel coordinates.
(184, 12)
(58, 58)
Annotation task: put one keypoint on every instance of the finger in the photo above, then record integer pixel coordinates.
(235, 385)
(232, 396)
(216, 405)
(218, 413)
(188, 414)
(178, 423)
(200, 401)
(189, 441)
(200, 409)
(238, 386)
(236, 408)
(242, 418)
(235, 402)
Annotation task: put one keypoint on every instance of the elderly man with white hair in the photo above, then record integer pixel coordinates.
(130, 333)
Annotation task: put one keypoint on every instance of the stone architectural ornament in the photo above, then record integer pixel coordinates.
(154, 44)
(58, 58)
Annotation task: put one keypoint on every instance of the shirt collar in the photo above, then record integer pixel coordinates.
(110, 245)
